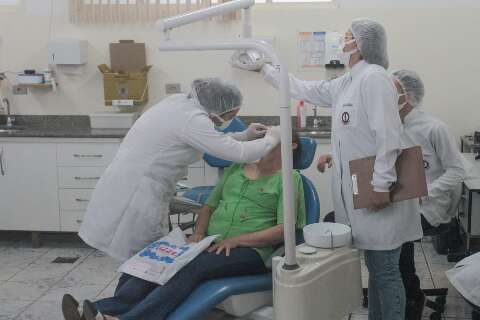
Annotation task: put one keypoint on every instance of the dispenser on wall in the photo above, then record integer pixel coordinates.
(67, 51)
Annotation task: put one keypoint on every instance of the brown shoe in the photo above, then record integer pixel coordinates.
(70, 308)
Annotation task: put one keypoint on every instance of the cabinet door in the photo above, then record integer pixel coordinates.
(322, 181)
(28, 187)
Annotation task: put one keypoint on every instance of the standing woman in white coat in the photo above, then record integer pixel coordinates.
(130, 205)
(444, 168)
(365, 122)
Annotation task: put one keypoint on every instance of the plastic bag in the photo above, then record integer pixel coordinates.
(465, 277)
(162, 259)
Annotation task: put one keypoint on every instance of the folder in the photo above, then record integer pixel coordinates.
(411, 180)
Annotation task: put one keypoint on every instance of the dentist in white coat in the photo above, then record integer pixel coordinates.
(130, 205)
(365, 122)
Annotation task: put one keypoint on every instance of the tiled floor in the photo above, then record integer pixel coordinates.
(31, 286)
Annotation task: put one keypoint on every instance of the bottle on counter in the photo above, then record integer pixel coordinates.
(301, 115)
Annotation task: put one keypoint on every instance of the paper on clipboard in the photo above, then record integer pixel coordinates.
(411, 180)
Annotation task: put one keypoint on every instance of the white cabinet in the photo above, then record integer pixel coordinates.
(80, 165)
(28, 187)
(46, 184)
(322, 181)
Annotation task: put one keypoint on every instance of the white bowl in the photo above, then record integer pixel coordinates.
(327, 235)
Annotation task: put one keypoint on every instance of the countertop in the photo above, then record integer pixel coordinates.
(78, 126)
(57, 127)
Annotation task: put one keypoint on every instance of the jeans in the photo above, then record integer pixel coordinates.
(411, 282)
(139, 299)
(386, 294)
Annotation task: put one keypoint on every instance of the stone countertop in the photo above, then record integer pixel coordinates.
(78, 126)
(57, 127)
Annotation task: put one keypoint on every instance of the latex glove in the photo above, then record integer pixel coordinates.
(323, 161)
(274, 134)
(380, 200)
(255, 131)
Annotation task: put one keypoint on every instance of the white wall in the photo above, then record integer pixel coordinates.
(441, 44)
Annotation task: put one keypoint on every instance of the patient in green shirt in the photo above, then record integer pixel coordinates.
(246, 206)
(246, 210)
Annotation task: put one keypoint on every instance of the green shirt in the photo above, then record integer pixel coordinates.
(245, 206)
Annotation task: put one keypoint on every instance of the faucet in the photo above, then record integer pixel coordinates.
(316, 119)
(6, 106)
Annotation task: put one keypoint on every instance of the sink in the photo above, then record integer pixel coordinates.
(313, 132)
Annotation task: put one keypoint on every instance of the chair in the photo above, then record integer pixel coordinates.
(200, 194)
(211, 293)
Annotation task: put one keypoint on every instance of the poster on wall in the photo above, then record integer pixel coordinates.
(311, 50)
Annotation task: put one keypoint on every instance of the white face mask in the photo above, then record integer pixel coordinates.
(402, 105)
(346, 56)
(225, 124)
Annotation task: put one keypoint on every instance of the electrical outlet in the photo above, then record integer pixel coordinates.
(172, 88)
(19, 90)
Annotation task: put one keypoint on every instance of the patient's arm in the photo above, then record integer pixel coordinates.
(264, 238)
(201, 225)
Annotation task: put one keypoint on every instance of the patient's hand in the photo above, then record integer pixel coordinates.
(227, 245)
(195, 237)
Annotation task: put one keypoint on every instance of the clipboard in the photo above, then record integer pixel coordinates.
(411, 179)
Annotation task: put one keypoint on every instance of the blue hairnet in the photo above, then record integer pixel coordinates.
(216, 95)
(371, 41)
(412, 84)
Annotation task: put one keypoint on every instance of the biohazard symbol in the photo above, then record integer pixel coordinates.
(346, 117)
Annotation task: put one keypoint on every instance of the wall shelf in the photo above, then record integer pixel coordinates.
(37, 85)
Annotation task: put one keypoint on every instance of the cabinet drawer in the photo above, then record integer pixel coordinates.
(86, 154)
(74, 199)
(79, 177)
(70, 221)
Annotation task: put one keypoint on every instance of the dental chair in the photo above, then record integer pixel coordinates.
(248, 292)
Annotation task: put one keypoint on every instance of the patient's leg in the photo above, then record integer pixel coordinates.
(165, 299)
(132, 292)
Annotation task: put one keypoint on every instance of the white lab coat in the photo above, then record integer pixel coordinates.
(444, 165)
(365, 122)
(130, 205)
(465, 277)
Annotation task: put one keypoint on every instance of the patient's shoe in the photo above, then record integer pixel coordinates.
(70, 308)
(90, 311)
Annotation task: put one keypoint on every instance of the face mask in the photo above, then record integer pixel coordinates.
(225, 124)
(402, 105)
(346, 56)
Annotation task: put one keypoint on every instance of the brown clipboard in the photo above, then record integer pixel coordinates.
(411, 180)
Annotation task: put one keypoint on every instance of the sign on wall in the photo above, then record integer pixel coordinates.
(311, 49)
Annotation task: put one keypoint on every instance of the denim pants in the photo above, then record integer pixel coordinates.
(386, 294)
(139, 299)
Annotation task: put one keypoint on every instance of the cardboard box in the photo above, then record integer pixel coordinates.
(126, 82)
(127, 56)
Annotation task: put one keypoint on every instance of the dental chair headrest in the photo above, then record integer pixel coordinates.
(308, 146)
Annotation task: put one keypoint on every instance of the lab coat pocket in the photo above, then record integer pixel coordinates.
(347, 115)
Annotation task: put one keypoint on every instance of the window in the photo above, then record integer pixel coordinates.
(141, 11)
